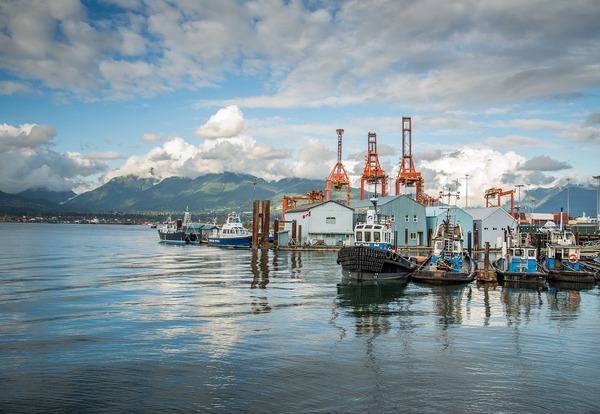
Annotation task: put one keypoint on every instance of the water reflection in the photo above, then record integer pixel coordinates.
(520, 300)
(371, 303)
(259, 264)
(564, 299)
(487, 288)
(448, 303)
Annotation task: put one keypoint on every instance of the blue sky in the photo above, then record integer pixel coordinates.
(507, 92)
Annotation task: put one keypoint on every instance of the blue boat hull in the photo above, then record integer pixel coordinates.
(230, 241)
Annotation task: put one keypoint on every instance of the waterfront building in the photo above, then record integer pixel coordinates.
(327, 223)
(407, 218)
(489, 224)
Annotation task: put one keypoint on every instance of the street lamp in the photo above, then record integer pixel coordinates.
(519, 204)
(467, 191)
(568, 200)
(597, 177)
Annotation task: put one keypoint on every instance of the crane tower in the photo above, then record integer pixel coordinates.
(338, 177)
(372, 173)
(407, 174)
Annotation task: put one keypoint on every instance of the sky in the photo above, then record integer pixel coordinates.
(501, 93)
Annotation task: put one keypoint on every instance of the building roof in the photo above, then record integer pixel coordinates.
(310, 206)
(381, 201)
(482, 213)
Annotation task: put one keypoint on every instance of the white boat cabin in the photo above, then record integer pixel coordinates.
(373, 233)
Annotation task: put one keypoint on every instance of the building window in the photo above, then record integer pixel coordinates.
(413, 236)
(330, 220)
(406, 218)
(415, 219)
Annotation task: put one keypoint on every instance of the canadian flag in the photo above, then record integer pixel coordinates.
(306, 215)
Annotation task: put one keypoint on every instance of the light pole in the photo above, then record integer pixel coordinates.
(467, 191)
(597, 177)
(519, 204)
(568, 200)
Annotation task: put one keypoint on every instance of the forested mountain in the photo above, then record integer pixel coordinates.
(214, 193)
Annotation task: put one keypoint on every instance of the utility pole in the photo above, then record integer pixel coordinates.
(467, 192)
(519, 205)
(568, 200)
(597, 177)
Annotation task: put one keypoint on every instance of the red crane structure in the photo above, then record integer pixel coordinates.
(338, 177)
(372, 173)
(497, 192)
(288, 202)
(408, 176)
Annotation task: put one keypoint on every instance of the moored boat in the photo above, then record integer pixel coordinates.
(448, 263)
(178, 231)
(372, 256)
(519, 261)
(231, 234)
(562, 261)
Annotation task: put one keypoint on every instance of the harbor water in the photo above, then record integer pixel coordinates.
(105, 319)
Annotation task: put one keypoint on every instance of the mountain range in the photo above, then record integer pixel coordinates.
(214, 194)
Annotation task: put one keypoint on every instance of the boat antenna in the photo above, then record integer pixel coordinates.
(374, 201)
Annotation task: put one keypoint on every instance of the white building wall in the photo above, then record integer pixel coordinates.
(491, 228)
(330, 223)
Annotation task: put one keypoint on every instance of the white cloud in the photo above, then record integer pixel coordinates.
(36, 168)
(486, 168)
(27, 163)
(230, 148)
(226, 123)
(25, 136)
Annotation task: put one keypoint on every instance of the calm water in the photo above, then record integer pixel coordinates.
(106, 319)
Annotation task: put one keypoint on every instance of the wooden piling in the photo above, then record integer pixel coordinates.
(487, 274)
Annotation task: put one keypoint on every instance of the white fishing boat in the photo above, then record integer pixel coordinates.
(231, 234)
(180, 231)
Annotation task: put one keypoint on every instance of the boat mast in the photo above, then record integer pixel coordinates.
(374, 201)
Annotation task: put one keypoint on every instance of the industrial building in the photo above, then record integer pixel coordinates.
(436, 214)
(329, 223)
(490, 224)
(407, 218)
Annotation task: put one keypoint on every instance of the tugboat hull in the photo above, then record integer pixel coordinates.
(367, 263)
(427, 274)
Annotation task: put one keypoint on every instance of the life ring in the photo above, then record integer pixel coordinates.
(573, 258)
(388, 254)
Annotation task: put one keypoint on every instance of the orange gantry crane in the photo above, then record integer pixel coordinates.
(338, 178)
(372, 173)
(288, 202)
(495, 192)
(408, 176)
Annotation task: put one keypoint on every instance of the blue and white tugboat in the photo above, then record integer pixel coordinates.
(519, 261)
(372, 256)
(562, 261)
(231, 234)
(448, 263)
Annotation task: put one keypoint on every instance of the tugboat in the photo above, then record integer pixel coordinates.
(562, 261)
(372, 256)
(519, 261)
(179, 231)
(448, 263)
(232, 234)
